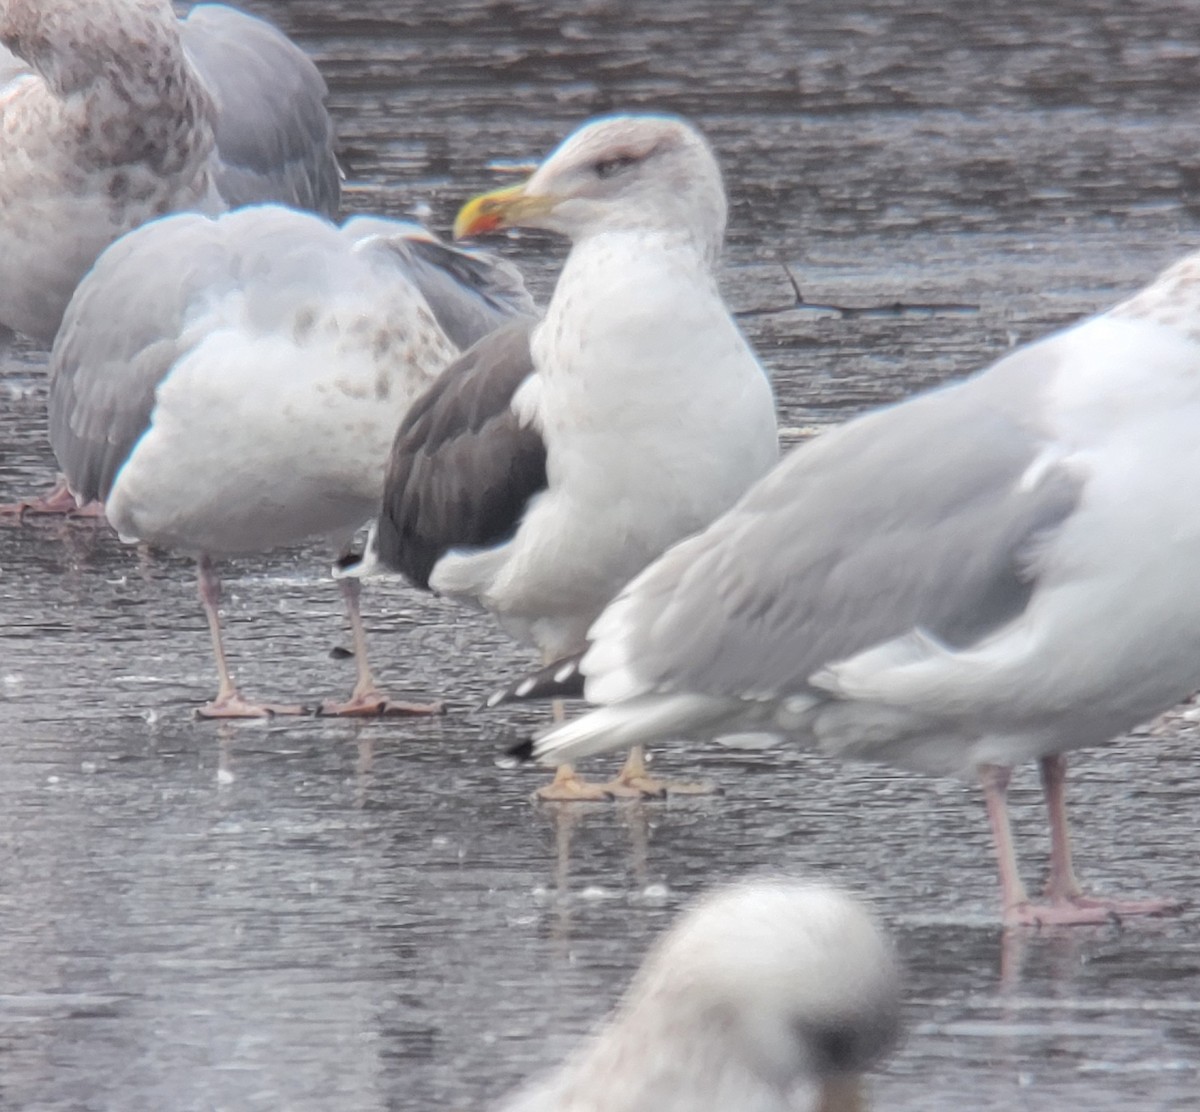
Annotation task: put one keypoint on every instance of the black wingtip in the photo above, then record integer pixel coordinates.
(523, 751)
(560, 680)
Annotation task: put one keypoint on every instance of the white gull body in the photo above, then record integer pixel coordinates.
(655, 415)
(231, 385)
(654, 411)
(993, 572)
(118, 123)
(768, 996)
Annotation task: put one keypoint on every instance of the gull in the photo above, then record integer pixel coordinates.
(997, 571)
(230, 385)
(553, 462)
(766, 996)
(128, 114)
(123, 113)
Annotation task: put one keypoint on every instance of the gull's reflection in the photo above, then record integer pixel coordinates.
(569, 818)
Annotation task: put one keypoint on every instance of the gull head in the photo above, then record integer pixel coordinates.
(649, 173)
(797, 982)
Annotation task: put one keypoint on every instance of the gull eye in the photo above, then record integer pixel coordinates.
(608, 167)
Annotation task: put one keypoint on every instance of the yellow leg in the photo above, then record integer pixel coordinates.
(635, 780)
(568, 787)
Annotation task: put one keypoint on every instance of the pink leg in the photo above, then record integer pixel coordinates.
(994, 779)
(1061, 884)
(229, 702)
(1062, 888)
(366, 700)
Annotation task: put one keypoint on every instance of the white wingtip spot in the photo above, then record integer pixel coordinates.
(347, 571)
(564, 673)
(524, 688)
(366, 566)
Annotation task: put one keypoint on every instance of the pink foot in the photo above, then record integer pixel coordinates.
(92, 511)
(34, 507)
(58, 502)
(1084, 911)
(374, 704)
(234, 706)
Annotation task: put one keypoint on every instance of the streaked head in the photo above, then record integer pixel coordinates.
(643, 172)
(73, 42)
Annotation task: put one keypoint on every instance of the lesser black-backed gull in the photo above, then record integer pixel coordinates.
(548, 467)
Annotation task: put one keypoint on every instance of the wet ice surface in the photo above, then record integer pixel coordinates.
(308, 915)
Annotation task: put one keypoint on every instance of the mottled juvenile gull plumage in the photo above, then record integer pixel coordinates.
(997, 571)
(231, 385)
(129, 114)
(768, 996)
(549, 467)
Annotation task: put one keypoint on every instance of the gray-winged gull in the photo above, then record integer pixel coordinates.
(996, 571)
(767, 996)
(231, 385)
(548, 467)
(130, 114)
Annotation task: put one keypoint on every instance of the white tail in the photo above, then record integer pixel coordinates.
(637, 721)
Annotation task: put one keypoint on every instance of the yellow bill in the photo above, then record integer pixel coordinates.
(502, 208)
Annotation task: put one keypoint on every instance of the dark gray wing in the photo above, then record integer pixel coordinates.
(462, 468)
(924, 516)
(122, 332)
(274, 135)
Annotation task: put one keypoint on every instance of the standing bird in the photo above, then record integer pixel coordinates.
(767, 996)
(126, 114)
(231, 385)
(129, 114)
(995, 571)
(549, 466)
